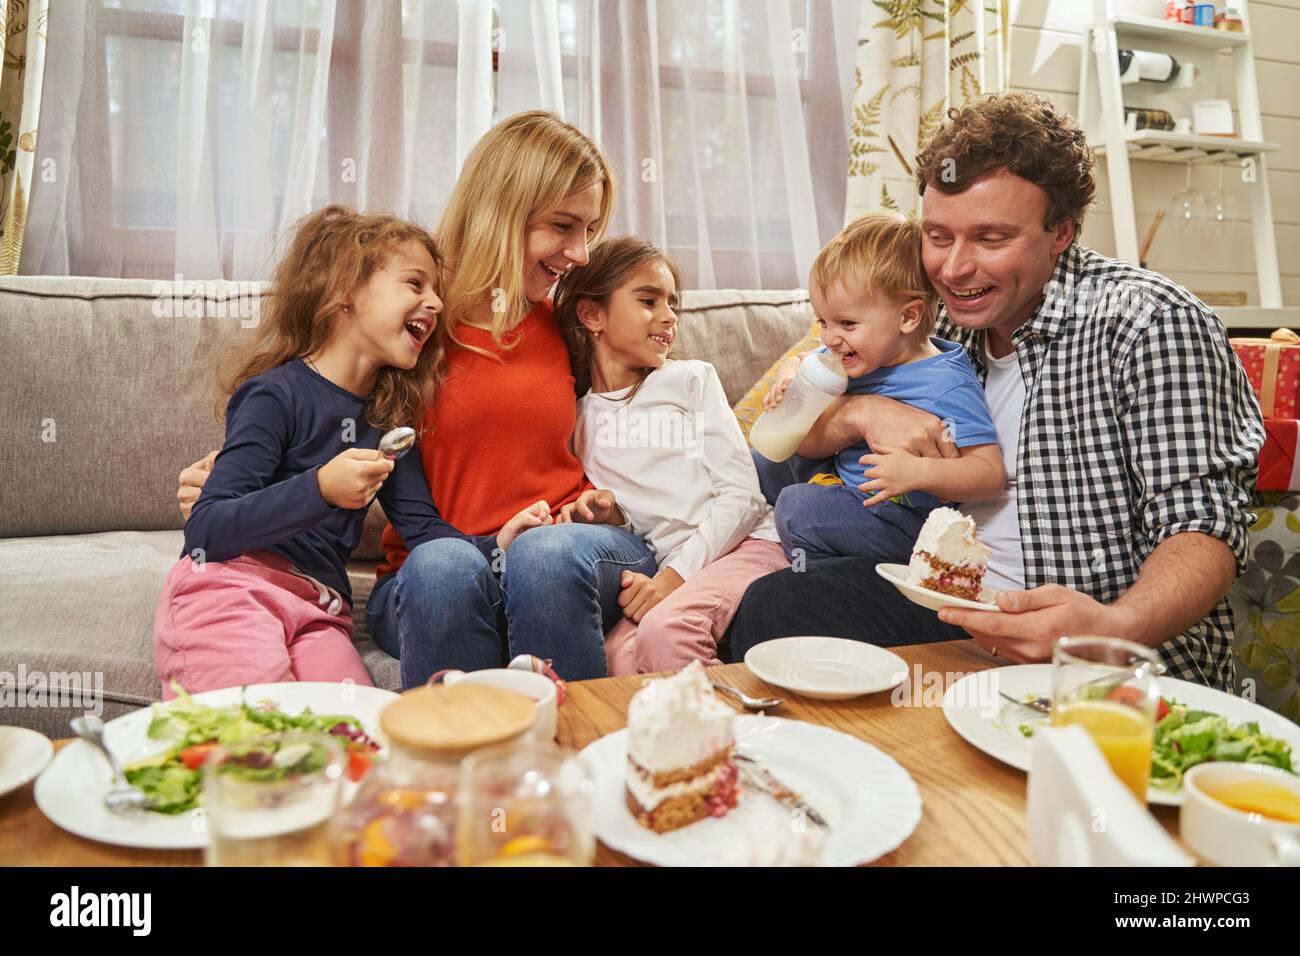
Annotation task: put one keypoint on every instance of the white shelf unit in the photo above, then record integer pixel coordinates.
(1160, 146)
(1149, 28)
(1254, 317)
(1101, 113)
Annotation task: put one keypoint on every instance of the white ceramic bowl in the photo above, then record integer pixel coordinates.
(23, 755)
(1230, 837)
(539, 687)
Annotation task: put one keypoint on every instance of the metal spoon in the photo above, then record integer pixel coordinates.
(1039, 705)
(121, 798)
(750, 703)
(397, 442)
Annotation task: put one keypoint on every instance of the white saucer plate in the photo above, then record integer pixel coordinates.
(826, 668)
(23, 755)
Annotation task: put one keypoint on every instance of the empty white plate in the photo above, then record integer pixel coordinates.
(827, 668)
(896, 574)
(23, 755)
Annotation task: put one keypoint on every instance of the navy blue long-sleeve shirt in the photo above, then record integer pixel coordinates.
(281, 426)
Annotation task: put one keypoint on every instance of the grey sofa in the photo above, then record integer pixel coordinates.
(109, 392)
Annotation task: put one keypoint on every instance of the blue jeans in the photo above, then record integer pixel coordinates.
(554, 597)
(829, 521)
(775, 476)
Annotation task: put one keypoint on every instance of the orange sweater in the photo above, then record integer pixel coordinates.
(497, 437)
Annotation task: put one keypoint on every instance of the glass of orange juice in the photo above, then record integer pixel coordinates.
(530, 805)
(1108, 687)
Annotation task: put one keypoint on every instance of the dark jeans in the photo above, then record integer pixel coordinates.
(833, 597)
(830, 521)
(554, 596)
(837, 597)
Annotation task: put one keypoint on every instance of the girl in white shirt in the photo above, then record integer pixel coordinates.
(658, 437)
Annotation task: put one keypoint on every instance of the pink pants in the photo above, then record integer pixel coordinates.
(250, 620)
(686, 625)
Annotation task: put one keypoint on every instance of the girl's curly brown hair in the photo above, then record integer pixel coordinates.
(1026, 134)
(331, 253)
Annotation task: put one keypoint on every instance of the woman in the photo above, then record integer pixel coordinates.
(533, 193)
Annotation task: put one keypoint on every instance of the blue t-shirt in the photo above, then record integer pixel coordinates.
(281, 426)
(944, 385)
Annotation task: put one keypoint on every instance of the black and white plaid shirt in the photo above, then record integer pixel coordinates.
(1139, 424)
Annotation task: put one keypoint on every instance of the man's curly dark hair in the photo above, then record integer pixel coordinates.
(1023, 132)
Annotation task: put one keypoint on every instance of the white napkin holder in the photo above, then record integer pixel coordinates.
(1212, 118)
(1080, 814)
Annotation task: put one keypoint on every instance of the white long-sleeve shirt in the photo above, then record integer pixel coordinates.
(676, 460)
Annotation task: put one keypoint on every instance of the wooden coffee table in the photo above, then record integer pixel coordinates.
(974, 805)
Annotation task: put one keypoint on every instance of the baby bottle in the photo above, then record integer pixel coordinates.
(820, 380)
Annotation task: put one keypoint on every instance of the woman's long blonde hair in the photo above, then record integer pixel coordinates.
(331, 253)
(520, 170)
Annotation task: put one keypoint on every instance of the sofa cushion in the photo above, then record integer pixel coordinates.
(741, 333)
(114, 396)
(84, 604)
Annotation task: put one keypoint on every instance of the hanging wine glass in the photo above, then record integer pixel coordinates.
(1187, 207)
(1220, 210)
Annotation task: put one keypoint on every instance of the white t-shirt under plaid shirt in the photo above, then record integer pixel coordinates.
(1139, 424)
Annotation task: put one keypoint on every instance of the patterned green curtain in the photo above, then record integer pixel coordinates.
(23, 28)
(916, 58)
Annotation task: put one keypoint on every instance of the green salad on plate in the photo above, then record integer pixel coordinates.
(173, 777)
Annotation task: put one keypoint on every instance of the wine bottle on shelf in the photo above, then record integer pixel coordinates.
(1137, 65)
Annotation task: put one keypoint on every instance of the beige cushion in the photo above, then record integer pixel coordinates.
(111, 400)
(741, 333)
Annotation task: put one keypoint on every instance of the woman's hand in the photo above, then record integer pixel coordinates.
(534, 516)
(890, 474)
(641, 593)
(592, 507)
(784, 376)
(352, 478)
(191, 483)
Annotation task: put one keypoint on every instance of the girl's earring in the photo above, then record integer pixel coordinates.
(596, 333)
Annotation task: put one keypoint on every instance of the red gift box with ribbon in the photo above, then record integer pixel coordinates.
(1278, 460)
(1273, 367)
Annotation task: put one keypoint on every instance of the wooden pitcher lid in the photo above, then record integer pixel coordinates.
(457, 719)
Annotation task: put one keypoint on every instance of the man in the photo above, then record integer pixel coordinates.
(1128, 429)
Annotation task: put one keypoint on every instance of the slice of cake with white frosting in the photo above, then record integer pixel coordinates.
(947, 557)
(679, 742)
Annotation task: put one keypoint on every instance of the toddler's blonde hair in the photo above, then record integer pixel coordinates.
(879, 252)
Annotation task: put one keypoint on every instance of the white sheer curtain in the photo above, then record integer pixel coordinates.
(188, 133)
